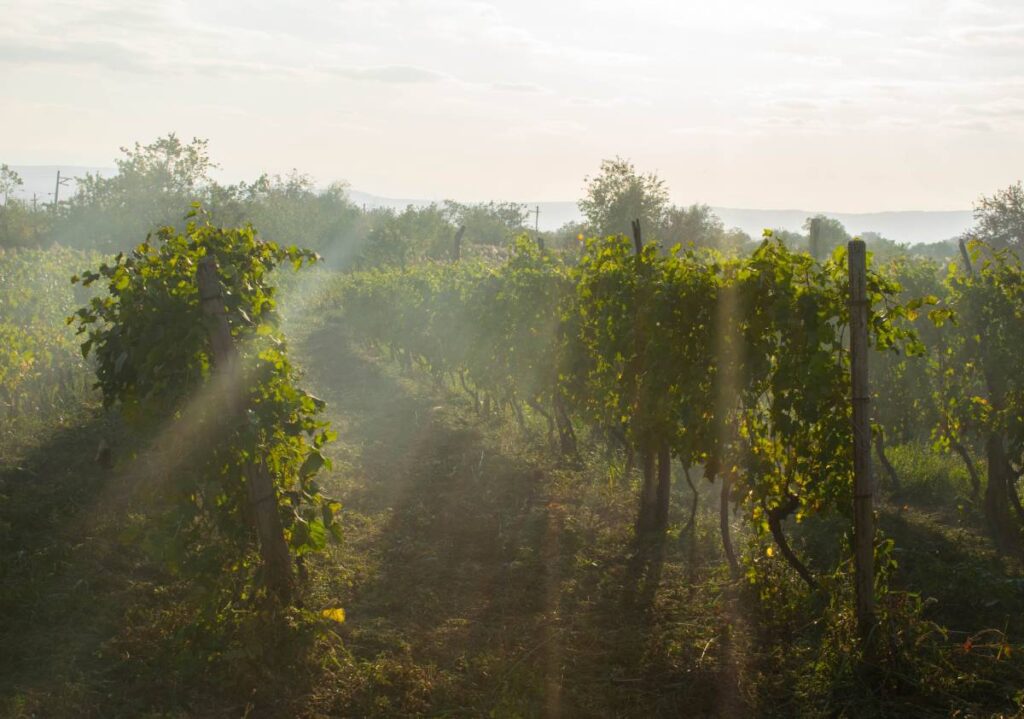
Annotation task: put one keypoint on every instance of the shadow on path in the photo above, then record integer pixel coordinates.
(473, 595)
(465, 550)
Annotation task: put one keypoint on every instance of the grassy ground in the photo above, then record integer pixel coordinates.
(480, 577)
(484, 578)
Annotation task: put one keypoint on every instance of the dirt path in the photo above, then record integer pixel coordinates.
(481, 579)
(451, 545)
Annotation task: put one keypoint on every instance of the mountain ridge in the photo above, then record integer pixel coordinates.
(910, 226)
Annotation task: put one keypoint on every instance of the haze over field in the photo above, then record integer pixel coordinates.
(909, 227)
(470, 358)
(852, 107)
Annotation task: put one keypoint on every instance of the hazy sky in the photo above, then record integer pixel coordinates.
(845, 106)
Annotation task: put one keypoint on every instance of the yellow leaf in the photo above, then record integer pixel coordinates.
(336, 613)
(770, 551)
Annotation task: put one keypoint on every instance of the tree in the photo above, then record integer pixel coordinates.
(1000, 218)
(882, 248)
(152, 184)
(166, 165)
(290, 210)
(940, 251)
(735, 240)
(793, 241)
(387, 245)
(619, 194)
(9, 181)
(492, 223)
(824, 235)
(22, 226)
(396, 239)
(569, 237)
(697, 225)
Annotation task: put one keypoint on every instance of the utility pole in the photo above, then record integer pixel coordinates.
(56, 189)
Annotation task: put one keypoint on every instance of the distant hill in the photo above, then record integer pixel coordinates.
(902, 226)
(909, 226)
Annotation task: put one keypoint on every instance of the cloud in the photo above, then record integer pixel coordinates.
(527, 87)
(1004, 107)
(105, 53)
(398, 74)
(797, 105)
(971, 125)
(151, 38)
(562, 75)
(1002, 37)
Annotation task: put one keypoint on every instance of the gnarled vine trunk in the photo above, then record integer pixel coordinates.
(691, 523)
(263, 503)
(890, 471)
(972, 471)
(664, 492)
(723, 525)
(566, 433)
(1004, 528)
(536, 407)
(471, 392)
(645, 518)
(1011, 488)
(655, 493)
(775, 517)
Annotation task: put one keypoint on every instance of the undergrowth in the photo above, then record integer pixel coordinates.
(482, 575)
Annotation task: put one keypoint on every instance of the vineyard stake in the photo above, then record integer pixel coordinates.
(863, 518)
(814, 238)
(277, 563)
(645, 518)
(457, 244)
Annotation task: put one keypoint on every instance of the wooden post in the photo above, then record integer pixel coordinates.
(814, 238)
(277, 561)
(968, 268)
(646, 514)
(863, 517)
(457, 248)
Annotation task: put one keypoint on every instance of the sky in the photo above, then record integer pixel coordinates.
(845, 106)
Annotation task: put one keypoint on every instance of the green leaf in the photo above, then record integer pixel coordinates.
(314, 462)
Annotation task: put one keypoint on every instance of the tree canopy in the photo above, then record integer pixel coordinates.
(619, 194)
(1000, 217)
